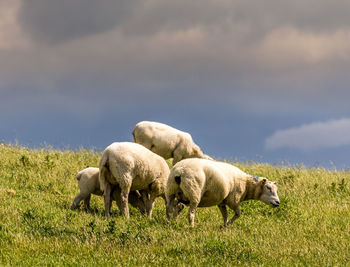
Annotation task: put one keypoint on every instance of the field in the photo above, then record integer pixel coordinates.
(37, 227)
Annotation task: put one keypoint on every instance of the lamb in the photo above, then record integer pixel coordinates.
(88, 181)
(205, 183)
(132, 167)
(166, 141)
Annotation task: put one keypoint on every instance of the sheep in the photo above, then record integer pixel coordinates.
(132, 167)
(166, 141)
(88, 181)
(205, 183)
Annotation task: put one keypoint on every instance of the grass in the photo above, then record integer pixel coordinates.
(311, 227)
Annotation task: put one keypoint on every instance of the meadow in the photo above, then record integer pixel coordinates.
(37, 186)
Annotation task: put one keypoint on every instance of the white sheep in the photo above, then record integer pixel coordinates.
(132, 167)
(88, 181)
(166, 141)
(205, 183)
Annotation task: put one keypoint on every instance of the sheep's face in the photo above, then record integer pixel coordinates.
(135, 199)
(178, 207)
(269, 193)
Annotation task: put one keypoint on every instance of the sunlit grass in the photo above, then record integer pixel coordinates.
(311, 227)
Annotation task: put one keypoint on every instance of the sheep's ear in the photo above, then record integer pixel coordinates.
(196, 149)
(263, 181)
(138, 193)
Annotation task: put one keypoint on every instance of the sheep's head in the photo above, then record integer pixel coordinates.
(269, 192)
(177, 208)
(135, 199)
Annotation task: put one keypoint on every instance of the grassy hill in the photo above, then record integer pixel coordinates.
(311, 227)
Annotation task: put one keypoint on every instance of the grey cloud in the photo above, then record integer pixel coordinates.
(317, 135)
(54, 21)
(190, 67)
(313, 15)
(168, 16)
(236, 53)
(257, 18)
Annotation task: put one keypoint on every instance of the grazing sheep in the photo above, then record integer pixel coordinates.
(166, 141)
(132, 167)
(205, 183)
(88, 182)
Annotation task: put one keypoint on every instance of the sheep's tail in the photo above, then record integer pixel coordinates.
(173, 184)
(178, 179)
(78, 177)
(177, 175)
(184, 184)
(104, 169)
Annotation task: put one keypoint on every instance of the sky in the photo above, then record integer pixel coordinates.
(258, 80)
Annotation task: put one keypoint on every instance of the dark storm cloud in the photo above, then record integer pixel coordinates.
(57, 21)
(291, 56)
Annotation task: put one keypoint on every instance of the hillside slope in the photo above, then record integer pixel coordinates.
(311, 227)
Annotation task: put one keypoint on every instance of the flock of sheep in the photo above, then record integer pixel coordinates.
(137, 173)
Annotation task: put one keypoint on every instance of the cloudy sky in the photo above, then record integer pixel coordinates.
(250, 80)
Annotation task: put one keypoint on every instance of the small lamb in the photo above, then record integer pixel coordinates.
(206, 183)
(166, 141)
(88, 181)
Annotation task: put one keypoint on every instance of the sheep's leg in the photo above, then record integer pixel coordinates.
(191, 212)
(87, 202)
(119, 204)
(223, 210)
(170, 207)
(146, 200)
(116, 196)
(124, 207)
(149, 205)
(125, 182)
(77, 200)
(108, 199)
(236, 216)
(149, 202)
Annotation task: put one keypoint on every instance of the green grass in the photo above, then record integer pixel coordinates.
(311, 227)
